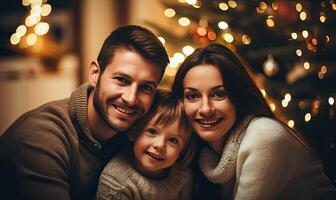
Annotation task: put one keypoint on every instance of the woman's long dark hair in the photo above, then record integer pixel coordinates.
(239, 84)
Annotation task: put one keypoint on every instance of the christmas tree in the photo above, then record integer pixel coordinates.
(291, 47)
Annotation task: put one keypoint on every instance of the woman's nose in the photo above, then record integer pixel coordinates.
(206, 109)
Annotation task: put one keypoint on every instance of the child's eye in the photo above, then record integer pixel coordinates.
(151, 131)
(173, 140)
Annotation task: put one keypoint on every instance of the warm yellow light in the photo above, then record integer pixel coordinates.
(262, 5)
(294, 35)
(31, 20)
(246, 39)
(307, 117)
(306, 65)
(179, 57)
(305, 33)
(203, 23)
(31, 39)
(298, 52)
(162, 40)
(320, 75)
(323, 18)
(316, 104)
(263, 92)
(272, 106)
(183, 21)
(302, 104)
(298, 7)
(284, 103)
(288, 97)
(223, 6)
(36, 10)
(169, 12)
(45, 10)
(170, 71)
(275, 6)
(21, 30)
(41, 28)
(270, 21)
(232, 3)
(334, 6)
(303, 16)
(187, 50)
(191, 2)
(331, 101)
(26, 2)
(327, 39)
(201, 31)
(228, 37)
(223, 25)
(15, 39)
(291, 123)
(324, 69)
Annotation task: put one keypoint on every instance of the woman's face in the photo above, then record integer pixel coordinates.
(207, 105)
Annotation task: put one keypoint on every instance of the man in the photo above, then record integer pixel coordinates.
(58, 150)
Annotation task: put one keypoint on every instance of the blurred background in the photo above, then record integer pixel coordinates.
(46, 47)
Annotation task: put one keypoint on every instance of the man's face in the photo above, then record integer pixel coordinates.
(126, 89)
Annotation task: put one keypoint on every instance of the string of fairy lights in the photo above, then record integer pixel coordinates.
(28, 34)
(206, 33)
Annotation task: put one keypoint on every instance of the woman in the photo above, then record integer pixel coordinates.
(248, 152)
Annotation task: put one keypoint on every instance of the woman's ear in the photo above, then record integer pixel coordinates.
(94, 73)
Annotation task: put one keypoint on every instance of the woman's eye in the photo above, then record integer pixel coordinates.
(219, 94)
(190, 96)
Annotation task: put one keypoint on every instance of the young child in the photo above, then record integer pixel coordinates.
(157, 166)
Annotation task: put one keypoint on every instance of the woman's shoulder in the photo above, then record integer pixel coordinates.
(263, 132)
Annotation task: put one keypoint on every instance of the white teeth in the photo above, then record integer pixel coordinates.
(208, 122)
(123, 110)
(154, 156)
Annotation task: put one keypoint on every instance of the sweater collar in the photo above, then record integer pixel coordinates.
(78, 108)
(221, 169)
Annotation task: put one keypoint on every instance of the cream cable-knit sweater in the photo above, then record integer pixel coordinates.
(266, 162)
(120, 181)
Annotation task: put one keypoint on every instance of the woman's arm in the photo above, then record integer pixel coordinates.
(266, 161)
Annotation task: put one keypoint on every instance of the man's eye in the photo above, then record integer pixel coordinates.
(121, 80)
(148, 89)
(190, 96)
(151, 131)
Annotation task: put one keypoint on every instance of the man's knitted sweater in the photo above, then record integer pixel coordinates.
(49, 152)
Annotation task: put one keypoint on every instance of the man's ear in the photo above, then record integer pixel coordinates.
(94, 73)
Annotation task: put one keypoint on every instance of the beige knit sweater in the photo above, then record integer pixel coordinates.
(120, 181)
(266, 162)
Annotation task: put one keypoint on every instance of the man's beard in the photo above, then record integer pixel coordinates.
(98, 106)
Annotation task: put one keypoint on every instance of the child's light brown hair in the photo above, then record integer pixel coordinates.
(167, 108)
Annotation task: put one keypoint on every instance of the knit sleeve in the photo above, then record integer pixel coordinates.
(111, 185)
(37, 163)
(264, 162)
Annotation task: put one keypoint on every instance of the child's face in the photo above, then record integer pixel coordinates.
(158, 147)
